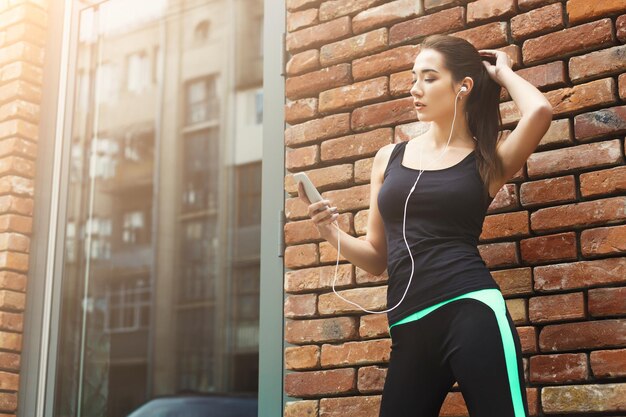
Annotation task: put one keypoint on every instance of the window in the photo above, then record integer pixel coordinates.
(201, 171)
(137, 72)
(201, 32)
(201, 103)
(258, 107)
(134, 227)
(249, 194)
(127, 305)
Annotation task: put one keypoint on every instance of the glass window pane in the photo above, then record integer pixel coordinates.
(160, 292)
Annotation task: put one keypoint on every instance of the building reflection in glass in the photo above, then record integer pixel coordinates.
(162, 233)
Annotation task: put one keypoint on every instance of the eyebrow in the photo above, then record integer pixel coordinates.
(426, 70)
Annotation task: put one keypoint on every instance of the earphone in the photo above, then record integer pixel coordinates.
(463, 88)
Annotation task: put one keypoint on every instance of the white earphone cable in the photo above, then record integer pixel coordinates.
(403, 228)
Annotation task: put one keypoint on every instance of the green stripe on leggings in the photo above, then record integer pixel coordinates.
(493, 298)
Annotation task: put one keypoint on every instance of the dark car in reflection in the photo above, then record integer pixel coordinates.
(200, 405)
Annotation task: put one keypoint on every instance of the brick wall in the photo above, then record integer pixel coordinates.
(22, 37)
(554, 237)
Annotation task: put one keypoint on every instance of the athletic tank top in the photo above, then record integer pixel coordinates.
(443, 222)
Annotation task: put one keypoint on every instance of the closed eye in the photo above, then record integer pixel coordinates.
(427, 80)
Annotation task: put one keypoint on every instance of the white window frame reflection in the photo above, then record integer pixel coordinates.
(132, 302)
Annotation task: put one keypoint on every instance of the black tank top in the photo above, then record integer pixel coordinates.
(443, 222)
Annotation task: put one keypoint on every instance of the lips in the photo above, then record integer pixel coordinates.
(419, 105)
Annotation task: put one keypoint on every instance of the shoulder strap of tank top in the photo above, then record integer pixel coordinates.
(398, 149)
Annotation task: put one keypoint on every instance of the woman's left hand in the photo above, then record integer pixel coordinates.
(502, 61)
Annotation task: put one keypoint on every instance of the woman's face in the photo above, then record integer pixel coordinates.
(433, 87)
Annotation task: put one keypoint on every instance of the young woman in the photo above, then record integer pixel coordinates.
(429, 195)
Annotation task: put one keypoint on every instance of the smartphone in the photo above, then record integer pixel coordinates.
(310, 190)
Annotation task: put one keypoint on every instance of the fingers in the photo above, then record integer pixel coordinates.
(323, 214)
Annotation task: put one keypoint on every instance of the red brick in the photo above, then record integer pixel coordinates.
(10, 280)
(370, 298)
(318, 278)
(319, 383)
(20, 109)
(373, 325)
(364, 277)
(557, 307)
(583, 11)
(550, 75)
(415, 29)
(295, 5)
(333, 329)
(602, 122)
(302, 357)
(582, 97)
(337, 8)
(575, 399)
(506, 199)
(361, 406)
(301, 19)
(505, 225)
(598, 64)
(525, 5)
(17, 166)
(314, 36)
(331, 177)
(566, 42)
(583, 335)
(302, 62)
(349, 199)
(10, 361)
(301, 255)
(603, 241)
(558, 368)
(13, 322)
(620, 26)
(14, 242)
(603, 182)
(548, 191)
(20, 128)
(354, 47)
(387, 113)
(622, 85)
(317, 130)
(499, 254)
(371, 379)
(491, 35)
(305, 408)
(18, 147)
(10, 341)
(517, 281)
(557, 247)
(385, 15)
(517, 309)
(349, 148)
(356, 353)
(528, 338)
(587, 213)
(489, 10)
(559, 133)
(8, 402)
(537, 22)
(363, 171)
(574, 158)
(21, 70)
(18, 205)
(299, 111)
(11, 300)
(312, 83)
(581, 274)
(302, 157)
(607, 301)
(384, 63)
(354, 95)
(9, 381)
(301, 305)
(608, 363)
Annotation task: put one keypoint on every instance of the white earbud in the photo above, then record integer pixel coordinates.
(464, 88)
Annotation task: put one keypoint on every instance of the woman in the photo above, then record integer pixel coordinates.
(428, 199)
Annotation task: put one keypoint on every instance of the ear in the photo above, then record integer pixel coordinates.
(469, 83)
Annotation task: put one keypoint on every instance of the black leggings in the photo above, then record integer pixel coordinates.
(462, 339)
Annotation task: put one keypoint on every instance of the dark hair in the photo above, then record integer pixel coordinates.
(483, 103)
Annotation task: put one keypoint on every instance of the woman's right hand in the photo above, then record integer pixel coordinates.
(321, 213)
